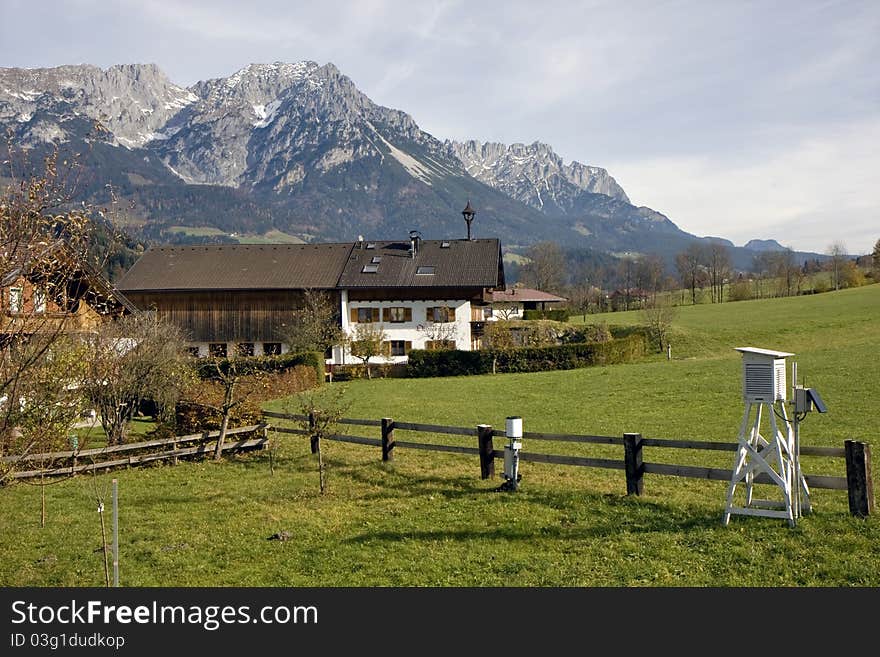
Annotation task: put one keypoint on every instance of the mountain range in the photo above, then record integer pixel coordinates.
(298, 152)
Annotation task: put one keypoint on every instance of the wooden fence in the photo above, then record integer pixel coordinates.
(139, 453)
(857, 482)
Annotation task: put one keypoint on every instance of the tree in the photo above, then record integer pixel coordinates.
(322, 408)
(315, 326)
(368, 341)
(851, 275)
(45, 244)
(875, 261)
(837, 251)
(138, 357)
(719, 265)
(690, 266)
(658, 316)
(650, 270)
(546, 269)
(500, 340)
(627, 271)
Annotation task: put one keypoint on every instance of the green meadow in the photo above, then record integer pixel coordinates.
(427, 519)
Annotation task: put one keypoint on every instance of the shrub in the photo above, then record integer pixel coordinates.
(527, 359)
(740, 291)
(280, 363)
(558, 314)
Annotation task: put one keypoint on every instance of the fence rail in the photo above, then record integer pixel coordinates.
(857, 480)
(206, 440)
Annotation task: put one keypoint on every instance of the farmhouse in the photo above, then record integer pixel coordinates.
(510, 304)
(56, 293)
(425, 294)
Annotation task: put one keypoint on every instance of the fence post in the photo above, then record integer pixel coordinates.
(858, 478)
(312, 435)
(174, 449)
(487, 451)
(635, 469)
(387, 438)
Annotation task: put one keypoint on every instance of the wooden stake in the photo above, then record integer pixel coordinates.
(387, 439)
(635, 469)
(858, 478)
(487, 451)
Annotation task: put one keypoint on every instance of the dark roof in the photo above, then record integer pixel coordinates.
(237, 267)
(522, 294)
(452, 263)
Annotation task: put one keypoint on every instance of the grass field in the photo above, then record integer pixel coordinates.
(427, 519)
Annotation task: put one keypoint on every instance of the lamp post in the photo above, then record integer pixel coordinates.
(468, 214)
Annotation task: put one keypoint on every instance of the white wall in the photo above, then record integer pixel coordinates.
(408, 331)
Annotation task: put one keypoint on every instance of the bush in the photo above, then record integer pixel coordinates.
(740, 291)
(280, 363)
(528, 359)
(558, 315)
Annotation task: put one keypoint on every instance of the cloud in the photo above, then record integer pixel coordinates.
(822, 188)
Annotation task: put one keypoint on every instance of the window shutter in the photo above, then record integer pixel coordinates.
(407, 346)
(450, 314)
(407, 314)
(375, 314)
(354, 315)
(386, 314)
(429, 315)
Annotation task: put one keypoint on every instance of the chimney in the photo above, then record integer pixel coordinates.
(414, 238)
(468, 214)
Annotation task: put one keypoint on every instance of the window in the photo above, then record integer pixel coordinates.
(370, 269)
(271, 348)
(400, 347)
(217, 349)
(441, 314)
(425, 270)
(397, 315)
(487, 312)
(364, 315)
(436, 345)
(193, 351)
(444, 245)
(39, 300)
(244, 349)
(15, 299)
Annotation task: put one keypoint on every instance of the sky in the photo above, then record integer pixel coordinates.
(735, 119)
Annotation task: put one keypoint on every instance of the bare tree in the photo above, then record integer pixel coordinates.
(690, 264)
(546, 269)
(323, 408)
(368, 341)
(837, 251)
(440, 333)
(136, 358)
(45, 258)
(651, 270)
(315, 326)
(658, 317)
(719, 267)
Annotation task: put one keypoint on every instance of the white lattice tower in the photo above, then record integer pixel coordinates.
(759, 460)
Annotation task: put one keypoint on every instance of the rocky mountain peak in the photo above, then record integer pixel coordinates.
(534, 174)
(131, 100)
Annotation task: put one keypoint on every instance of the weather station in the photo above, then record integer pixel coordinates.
(773, 460)
(514, 432)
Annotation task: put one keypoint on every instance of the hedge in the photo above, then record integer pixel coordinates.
(558, 315)
(526, 359)
(279, 363)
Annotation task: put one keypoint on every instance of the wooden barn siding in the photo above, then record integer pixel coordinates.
(247, 316)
